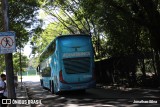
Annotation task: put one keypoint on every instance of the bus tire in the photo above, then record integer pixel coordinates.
(58, 92)
(42, 83)
(52, 87)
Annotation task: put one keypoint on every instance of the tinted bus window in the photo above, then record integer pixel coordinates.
(77, 65)
(46, 72)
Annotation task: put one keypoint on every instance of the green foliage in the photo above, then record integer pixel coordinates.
(16, 62)
(127, 24)
(69, 14)
(22, 14)
(52, 30)
(67, 18)
(34, 62)
(118, 27)
(131, 28)
(2, 65)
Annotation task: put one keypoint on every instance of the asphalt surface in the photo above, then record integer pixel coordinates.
(97, 97)
(101, 96)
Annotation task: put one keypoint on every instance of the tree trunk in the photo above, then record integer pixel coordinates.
(154, 66)
(157, 61)
(143, 69)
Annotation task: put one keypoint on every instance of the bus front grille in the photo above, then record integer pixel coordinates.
(77, 65)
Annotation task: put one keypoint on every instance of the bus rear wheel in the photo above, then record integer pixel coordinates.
(42, 83)
(52, 87)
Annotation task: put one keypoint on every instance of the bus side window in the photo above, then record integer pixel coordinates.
(51, 48)
(46, 72)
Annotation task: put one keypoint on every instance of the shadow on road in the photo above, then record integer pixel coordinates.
(97, 97)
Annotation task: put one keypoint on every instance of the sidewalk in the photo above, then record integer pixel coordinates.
(21, 94)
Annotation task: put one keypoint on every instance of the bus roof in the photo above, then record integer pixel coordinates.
(61, 36)
(71, 35)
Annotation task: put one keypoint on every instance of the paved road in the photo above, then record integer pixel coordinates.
(29, 78)
(97, 97)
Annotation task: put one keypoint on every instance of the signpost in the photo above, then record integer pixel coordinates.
(7, 42)
(7, 45)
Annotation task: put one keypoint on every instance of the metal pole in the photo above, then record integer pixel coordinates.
(20, 64)
(8, 57)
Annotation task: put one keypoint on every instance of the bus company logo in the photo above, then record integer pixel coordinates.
(22, 101)
(76, 54)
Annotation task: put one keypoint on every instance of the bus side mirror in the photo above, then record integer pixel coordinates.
(38, 68)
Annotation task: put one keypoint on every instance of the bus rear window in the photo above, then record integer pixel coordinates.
(76, 65)
(76, 43)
